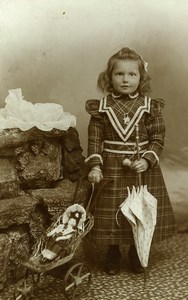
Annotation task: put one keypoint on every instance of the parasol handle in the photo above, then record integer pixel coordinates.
(137, 150)
(145, 277)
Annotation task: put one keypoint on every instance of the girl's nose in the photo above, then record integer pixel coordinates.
(125, 78)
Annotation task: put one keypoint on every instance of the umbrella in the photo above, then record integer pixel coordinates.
(140, 209)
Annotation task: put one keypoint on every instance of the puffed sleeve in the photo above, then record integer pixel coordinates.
(156, 132)
(95, 134)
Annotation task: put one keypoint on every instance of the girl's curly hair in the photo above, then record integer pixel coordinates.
(104, 82)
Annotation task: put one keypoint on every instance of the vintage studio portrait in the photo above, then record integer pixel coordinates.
(93, 150)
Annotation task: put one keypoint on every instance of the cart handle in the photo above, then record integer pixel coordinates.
(92, 200)
(103, 183)
(77, 187)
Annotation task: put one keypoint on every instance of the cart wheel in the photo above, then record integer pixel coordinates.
(77, 281)
(23, 290)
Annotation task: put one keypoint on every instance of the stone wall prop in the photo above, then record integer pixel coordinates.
(39, 173)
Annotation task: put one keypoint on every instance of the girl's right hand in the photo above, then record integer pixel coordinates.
(95, 175)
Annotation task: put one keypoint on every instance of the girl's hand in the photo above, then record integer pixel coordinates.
(95, 175)
(140, 165)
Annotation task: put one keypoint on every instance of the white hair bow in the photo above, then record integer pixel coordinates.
(145, 63)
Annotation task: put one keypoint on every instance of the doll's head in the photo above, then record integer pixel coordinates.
(123, 57)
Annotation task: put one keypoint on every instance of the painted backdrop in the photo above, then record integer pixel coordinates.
(54, 50)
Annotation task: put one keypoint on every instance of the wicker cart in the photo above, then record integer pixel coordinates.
(77, 277)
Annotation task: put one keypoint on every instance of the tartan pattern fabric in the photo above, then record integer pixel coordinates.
(152, 128)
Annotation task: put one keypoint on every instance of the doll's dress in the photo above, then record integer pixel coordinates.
(60, 238)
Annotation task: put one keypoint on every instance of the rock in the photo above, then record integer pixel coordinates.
(39, 163)
(17, 210)
(12, 138)
(73, 164)
(5, 246)
(73, 160)
(71, 140)
(40, 220)
(62, 196)
(19, 251)
(9, 182)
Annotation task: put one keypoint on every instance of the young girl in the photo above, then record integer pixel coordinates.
(112, 153)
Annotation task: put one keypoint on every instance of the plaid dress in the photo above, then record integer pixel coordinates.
(110, 141)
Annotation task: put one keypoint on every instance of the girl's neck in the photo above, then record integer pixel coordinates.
(128, 96)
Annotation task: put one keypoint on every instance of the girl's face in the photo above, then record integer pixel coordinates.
(125, 76)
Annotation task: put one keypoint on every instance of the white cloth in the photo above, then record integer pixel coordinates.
(19, 113)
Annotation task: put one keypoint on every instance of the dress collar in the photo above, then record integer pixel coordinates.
(126, 97)
(142, 105)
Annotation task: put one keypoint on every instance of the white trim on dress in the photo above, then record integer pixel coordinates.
(150, 151)
(124, 134)
(94, 155)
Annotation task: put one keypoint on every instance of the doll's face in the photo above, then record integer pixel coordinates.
(72, 222)
(125, 76)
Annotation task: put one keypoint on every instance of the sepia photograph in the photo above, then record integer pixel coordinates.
(93, 149)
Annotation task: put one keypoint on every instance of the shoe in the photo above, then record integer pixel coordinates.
(134, 260)
(112, 265)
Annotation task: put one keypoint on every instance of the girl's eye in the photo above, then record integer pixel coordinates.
(132, 74)
(119, 74)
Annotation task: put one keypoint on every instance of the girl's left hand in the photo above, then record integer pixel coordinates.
(140, 165)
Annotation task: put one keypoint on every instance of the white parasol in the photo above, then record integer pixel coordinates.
(140, 209)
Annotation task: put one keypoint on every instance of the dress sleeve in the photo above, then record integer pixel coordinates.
(95, 134)
(156, 132)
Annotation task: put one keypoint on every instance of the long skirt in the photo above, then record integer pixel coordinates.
(106, 229)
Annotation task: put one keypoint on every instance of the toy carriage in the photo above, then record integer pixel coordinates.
(58, 248)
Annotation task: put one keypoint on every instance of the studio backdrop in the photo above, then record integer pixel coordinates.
(54, 51)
